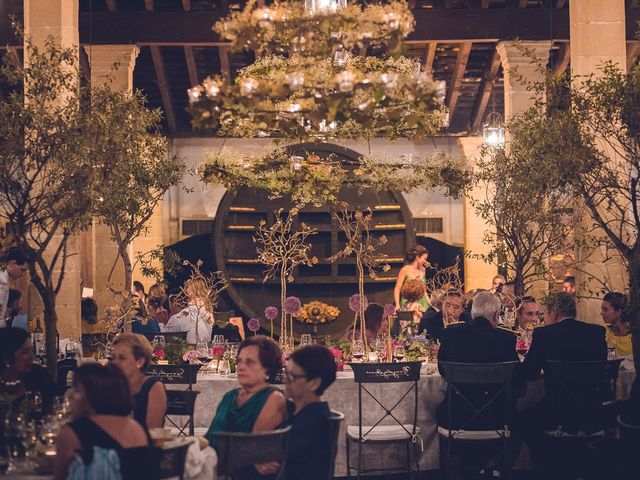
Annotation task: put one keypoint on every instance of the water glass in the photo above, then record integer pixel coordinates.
(218, 340)
(224, 368)
(398, 353)
(305, 339)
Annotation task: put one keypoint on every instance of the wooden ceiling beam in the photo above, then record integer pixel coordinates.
(563, 58)
(432, 25)
(453, 93)
(225, 67)
(85, 65)
(163, 85)
(111, 5)
(429, 56)
(484, 92)
(192, 67)
(633, 50)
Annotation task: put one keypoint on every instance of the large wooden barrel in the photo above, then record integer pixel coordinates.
(239, 215)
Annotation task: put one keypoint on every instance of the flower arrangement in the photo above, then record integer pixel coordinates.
(339, 357)
(317, 312)
(217, 352)
(292, 305)
(191, 356)
(172, 352)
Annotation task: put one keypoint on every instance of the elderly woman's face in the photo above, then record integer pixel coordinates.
(124, 359)
(23, 359)
(249, 369)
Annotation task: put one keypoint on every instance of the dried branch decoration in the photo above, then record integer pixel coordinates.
(365, 248)
(282, 249)
(447, 280)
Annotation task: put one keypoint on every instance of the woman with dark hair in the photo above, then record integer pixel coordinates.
(373, 321)
(13, 316)
(309, 372)
(101, 404)
(18, 374)
(256, 406)
(415, 268)
(618, 327)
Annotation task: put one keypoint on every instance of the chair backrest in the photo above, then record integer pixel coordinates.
(173, 461)
(175, 374)
(373, 373)
(237, 451)
(168, 336)
(479, 395)
(181, 403)
(335, 421)
(580, 390)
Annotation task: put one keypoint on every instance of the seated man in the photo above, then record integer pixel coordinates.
(476, 341)
(526, 313)
(434, 322)
(562, 338)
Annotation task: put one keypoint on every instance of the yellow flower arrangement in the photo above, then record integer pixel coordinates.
(316, 312)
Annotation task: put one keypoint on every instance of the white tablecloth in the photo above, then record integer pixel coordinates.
(343, 397)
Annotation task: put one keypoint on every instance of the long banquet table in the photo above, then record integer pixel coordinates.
(343, 397)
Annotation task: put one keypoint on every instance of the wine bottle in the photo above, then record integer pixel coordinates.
(38, 338)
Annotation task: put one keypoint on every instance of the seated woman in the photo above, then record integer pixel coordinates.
(18, 374)
(132, 353)
(618, 327)
(144, 322)
(373, 321)
(255, 406)
(310, 371)
(101, 404)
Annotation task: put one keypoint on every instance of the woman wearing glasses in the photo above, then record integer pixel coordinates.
(309, 372)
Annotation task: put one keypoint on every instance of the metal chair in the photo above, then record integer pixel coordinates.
(580, 392)
(181, 402)
(398, 432)
(335, 421)
(237, 451)
(173, 461)
(479, 404)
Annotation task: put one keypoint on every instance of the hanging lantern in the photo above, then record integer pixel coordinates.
(493, 131)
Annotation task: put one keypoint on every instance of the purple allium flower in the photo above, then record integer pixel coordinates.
(271, 313)
(292, 305)
(253, 325)
(354, 302)
(389, 309)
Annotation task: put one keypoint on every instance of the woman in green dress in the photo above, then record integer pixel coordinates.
(256, 406)
(415, 268)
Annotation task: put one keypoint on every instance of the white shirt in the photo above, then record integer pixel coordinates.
(4, 292)
(192, 320)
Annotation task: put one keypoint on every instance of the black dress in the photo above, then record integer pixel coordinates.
(141, 401)
(135, 463)
(309, 453)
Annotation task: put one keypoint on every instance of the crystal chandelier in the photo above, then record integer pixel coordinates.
(312, 81)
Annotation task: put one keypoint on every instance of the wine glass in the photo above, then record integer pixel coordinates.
(218, 340)
(223, 367)
(35, 399)
(305, 339)
(49, 433)
(70, 350)
(358, 350)
(29, 439)
(202, 349)
(398, 353)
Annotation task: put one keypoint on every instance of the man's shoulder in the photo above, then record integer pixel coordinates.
(505, 331)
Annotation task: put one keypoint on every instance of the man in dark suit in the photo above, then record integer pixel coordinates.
(434, 320)
(479, 340)
(562, 338)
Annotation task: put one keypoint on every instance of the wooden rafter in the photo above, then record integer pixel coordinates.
(429, 56)
(85, 65)
(563, 58)
(453, 93)
(112, 5)
(225, 68)
(192, 68)
(633, 50)
(484, 92)
(163, 85)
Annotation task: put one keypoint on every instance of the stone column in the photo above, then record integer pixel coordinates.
(58, 18)
(597, 35)
(104, 251)
(519, 68)
(477, 274)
